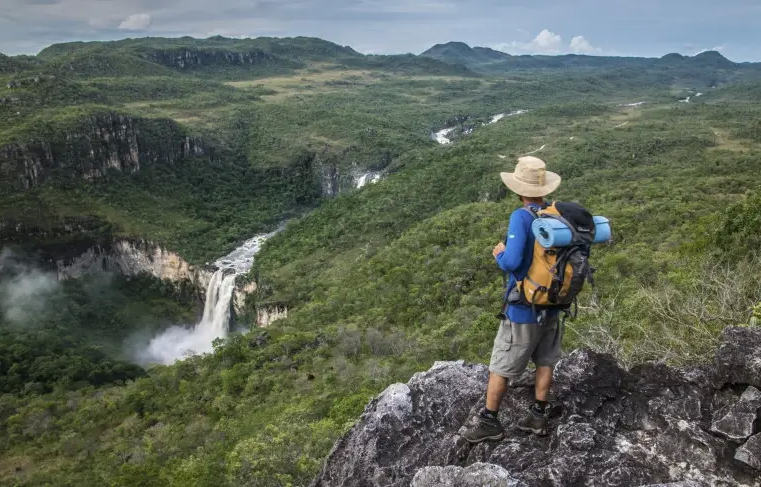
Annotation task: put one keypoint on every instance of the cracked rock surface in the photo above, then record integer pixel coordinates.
(738, 421)
(649, 426)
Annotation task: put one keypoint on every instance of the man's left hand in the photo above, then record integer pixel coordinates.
(498, 249)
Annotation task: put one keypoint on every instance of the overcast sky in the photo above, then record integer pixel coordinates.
(630, 27)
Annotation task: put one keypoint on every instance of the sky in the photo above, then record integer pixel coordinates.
(639, 28)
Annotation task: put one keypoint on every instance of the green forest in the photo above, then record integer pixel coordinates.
(380, 282)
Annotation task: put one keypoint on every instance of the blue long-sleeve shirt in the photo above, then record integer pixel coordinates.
(516, 259)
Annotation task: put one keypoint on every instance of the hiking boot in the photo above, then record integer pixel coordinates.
(535, 421)
(485, 429)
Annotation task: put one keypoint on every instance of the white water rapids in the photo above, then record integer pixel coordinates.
(442, 136)
(180, 342)
(370, 178)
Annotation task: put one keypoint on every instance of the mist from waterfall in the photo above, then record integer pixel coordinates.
(179, 342)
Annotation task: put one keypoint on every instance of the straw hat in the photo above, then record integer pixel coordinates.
(531, 178)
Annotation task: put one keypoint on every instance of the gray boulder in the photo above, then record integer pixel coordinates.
(750, 452)
(738, 422)
(688, 483)
(406, 428)
(476, 475)
(650, 425)
(737, 360)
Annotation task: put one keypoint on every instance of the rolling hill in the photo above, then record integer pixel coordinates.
(490, 61)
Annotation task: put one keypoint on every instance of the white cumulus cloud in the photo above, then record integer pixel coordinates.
(579, 45)
(136, 22)
(715, 48)
(546, 42)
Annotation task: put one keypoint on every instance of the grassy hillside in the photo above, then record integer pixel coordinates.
(221, 57)
(386, 280)
(281, 142)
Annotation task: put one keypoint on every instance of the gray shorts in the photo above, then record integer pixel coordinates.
(516, 344)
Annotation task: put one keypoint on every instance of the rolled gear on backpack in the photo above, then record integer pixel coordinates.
(550, 232)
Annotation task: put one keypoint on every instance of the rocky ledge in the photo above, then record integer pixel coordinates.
(651, 425)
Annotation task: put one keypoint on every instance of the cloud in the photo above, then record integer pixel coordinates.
(715, 48)
(546, 42)
(136, 22)
(579, 45)
(24, 290)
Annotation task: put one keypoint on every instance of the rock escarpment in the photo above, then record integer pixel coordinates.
(95, 145)
(130, 257)
(268, 314)
(186, 58)
(651, 425)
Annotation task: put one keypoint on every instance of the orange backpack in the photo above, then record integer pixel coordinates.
(557, 275)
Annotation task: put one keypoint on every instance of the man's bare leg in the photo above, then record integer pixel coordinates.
(496, 391)
(488, 426)
(543, 383)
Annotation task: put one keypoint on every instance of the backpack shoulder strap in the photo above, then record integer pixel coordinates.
(531, 211)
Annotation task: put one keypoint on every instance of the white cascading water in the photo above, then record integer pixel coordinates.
(370, 178)
(442, 136)
(216, 310)
(179, 342)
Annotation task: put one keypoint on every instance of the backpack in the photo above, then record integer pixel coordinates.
(557, 275)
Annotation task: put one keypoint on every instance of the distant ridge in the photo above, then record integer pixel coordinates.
(490, 61)
(219, 56)
(265, 56)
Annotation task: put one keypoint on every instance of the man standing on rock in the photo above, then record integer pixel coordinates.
(524, 334)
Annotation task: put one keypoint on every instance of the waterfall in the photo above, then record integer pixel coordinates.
(180, 342)
(370, 178)
(443, 135)
(216, 310)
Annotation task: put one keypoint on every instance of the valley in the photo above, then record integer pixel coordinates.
(356, 199)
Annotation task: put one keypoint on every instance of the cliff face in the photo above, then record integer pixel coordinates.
(649, 425)
(347, 170)
(100, 143)
(268, 314)
(130, 258)
(189, 58)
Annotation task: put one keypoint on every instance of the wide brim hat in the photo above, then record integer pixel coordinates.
(531, 178)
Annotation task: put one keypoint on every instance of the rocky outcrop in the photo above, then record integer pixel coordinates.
(96, 145)
(736, 361)
(347, 170)
(476, 475)
(185, 58)
(750, 452)
(268, 314)
(652, 425)
(738, 421)
(133, 257)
